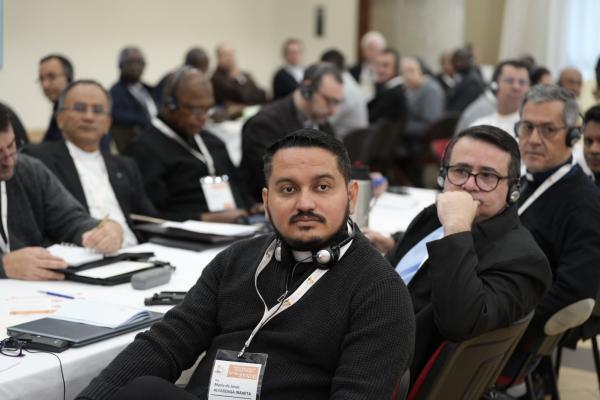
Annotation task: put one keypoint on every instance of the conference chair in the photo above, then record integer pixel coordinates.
(567, 318)
(588, 330)
(465, 370)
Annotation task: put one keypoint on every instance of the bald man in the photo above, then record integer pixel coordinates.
(571, 79)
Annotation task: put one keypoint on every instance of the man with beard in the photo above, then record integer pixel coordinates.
(313, 307)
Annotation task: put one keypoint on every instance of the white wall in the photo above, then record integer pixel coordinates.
(91, 33)
(420, 27)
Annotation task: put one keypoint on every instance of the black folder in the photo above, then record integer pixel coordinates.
(76, 333)
(72, 272)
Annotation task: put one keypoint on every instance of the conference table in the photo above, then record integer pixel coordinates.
(38, 375)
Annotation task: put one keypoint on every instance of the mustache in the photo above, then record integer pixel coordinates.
(306, 215)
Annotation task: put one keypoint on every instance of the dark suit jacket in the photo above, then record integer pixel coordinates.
(126, 110)
(388, 104)
(123, 175)
(273, 122)
(467, 90)
(283, 84)
(227, 89)
(172, 175)
(355, 71)
(473, 282)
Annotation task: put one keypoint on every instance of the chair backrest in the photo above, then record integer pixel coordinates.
(374, 146)
(465, 370)
(567, 318)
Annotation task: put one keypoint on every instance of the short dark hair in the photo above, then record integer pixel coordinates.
(308, 137)
(334, 57)
(513, 63)
(316, 72)
(397, 58)
(4, 118)
(64, 61)
(592, 114)
(494, 136)
(536, 73)
(70, 86)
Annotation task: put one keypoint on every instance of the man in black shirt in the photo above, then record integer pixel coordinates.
(341, 324)
(591, 141)
(55, 73)
(559, 205)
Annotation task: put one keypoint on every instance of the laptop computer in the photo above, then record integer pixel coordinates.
(78, 334)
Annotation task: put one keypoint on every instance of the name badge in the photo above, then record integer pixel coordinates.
(217, 193)
(236, 377)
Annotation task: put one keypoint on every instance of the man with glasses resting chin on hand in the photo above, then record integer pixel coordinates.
(37, 211)
(470, 266)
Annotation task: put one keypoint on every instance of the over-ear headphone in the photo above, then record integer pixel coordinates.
(327, 257)
(573, 136)
(170, 94)
(514, 190)
(313, 75)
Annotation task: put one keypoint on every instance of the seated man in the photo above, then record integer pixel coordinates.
(470, 266)
(106, 185)
(310, 106)
(55, 73)
(287, 78)
(182, 164)
(348, 336)
(38, 211)
(559, 205)
(389, 103)
(591, 141)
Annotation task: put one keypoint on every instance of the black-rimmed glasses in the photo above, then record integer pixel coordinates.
(486, 181)
(11, 347)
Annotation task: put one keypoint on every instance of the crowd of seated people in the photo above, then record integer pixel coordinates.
(511, 233)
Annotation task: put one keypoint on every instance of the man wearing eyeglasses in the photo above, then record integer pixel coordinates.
(186, 170)
(559, 204)
(316, 99)
(55, 73)
(470, 266)
(510, 82)
(105, 184)
(36, 211)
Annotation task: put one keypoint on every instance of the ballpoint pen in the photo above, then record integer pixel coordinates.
(64, 296)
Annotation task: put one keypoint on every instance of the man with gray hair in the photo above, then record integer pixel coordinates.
(559, 205)
(371, 45)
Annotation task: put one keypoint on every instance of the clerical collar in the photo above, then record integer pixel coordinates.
(186, 138)
(80, 154)
(539, 177)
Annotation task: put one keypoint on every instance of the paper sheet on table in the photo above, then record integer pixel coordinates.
(99, 314)
(8, 362)
(74, 255)
(114, 269)
(394, 212)
(212, 228)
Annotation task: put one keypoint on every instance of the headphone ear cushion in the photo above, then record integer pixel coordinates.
(494, 86)
(305, 91)
(573, 135)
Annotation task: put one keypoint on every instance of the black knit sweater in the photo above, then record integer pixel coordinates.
(350, 337)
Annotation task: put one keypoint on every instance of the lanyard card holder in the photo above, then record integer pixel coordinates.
(113, 270)
(217, 193)
(236, 377)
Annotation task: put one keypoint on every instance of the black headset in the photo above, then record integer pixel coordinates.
(313, 75)
(514, 191)
(327, 257)
(170, 100)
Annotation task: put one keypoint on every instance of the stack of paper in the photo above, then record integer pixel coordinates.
(212, 228)
(74, 255)
(100, 314)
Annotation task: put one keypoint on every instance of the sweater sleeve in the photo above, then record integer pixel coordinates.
(382, 328)
(171, 345)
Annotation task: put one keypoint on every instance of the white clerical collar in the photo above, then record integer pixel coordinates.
(80, 154)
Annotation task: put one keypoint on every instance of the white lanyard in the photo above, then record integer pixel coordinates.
(5, 246)
(283, 305)
(555, 177)
(204, 156)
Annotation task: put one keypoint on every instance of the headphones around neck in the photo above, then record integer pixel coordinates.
(327, 257)
(514, 189)
(573, 136)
